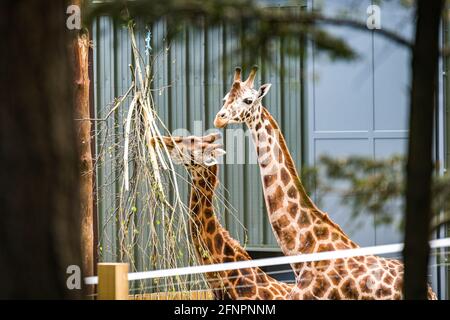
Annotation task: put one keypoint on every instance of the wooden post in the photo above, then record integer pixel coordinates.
(112, 281)
(80, 47)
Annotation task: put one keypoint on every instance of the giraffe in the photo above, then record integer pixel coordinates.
(299, 226)
(212, 242)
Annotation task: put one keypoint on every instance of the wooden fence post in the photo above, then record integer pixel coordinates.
(112, 281)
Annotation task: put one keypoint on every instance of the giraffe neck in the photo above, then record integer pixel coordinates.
(213, 243)
(206, 229)
(299, 226)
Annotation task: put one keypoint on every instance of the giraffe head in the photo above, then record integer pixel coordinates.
(193, 152)
(242, 101)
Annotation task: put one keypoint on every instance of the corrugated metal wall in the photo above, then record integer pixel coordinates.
(191, 80)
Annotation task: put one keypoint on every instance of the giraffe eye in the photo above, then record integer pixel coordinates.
(248, 101)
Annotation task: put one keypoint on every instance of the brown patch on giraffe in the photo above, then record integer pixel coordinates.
(305, 279)
(340, 245)
(383, 291)
(283, 221)
(396, 262)
(288, 237)
(248, 274)
(398, 284)
(260, 279)
(258, 126)
(269, 130)
(245, 288)
(388, 279)
(277, 286)
(349, 290)
(275, 200)
(292, 192)
(241, 257)
(308, 296)
(325, 247)
(212, 180)
(334, 236)
(269, 179)
(211, 226)
(322, 233)
(351, 263)
(265, 294)
(284, 175)
(292, 209)
(334, 277)
(304, 220)
(307, 243)
(233, 275)
(371, 260)
(194, 198)
(359, 270)
(339, 265)
(367, 283)
(206, 203)
(208, 213)
(218, 242)
(228, 259)
(334, 294)
(323, 265)
(209, 244)
(344, 239)
(276, 227)
(274, 290)
(392, 265)
(297, 267)
(321, 286)
(228, 250)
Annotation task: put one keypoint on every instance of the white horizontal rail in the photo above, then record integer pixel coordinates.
(328, 255)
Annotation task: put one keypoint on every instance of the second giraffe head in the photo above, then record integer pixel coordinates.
(193, 152)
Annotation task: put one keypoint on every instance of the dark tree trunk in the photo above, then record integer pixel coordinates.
(39, 189)
(419, 167)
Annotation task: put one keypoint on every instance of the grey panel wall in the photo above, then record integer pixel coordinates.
(360, 107)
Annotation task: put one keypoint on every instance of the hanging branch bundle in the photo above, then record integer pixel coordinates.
(150, 225)
(147, 222)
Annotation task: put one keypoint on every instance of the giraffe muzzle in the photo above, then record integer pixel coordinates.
(220, 122)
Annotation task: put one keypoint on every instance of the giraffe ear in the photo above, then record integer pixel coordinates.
(219, 152)
(210, 161)
(263, 90)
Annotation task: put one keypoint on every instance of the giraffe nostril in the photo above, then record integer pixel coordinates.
(222, 115)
